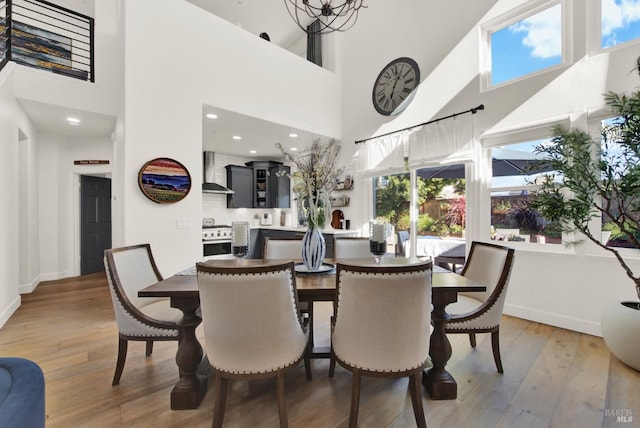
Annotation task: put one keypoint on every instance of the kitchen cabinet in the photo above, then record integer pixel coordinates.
(271, 184)
(240, 180)
(279, 186)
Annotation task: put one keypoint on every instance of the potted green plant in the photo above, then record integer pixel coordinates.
(601, 184)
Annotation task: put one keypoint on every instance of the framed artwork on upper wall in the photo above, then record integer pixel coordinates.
(164, 180)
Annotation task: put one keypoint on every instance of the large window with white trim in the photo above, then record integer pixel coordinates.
(517, 168)
(619, 22)
(525, 41)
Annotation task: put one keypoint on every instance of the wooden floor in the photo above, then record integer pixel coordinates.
(553, 377)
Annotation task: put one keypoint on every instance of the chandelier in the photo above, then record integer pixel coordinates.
(330, 15)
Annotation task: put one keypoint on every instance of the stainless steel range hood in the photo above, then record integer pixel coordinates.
(209, 175)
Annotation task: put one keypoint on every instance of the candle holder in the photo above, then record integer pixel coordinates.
(240, 238)
(378, 233)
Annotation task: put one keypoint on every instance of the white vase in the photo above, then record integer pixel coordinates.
(313, 248)
(620, 330)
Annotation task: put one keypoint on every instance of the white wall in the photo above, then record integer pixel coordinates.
(59, 203)
(569, 289)
(9, 297)
(17, 140)
(163, 107)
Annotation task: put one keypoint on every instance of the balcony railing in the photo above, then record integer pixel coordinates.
(42, 35)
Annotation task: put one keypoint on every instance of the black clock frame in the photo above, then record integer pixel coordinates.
(405, 60)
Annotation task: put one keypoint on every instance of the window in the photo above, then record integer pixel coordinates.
(515, 172)
(623, 161)
(619, 22)
(441, 203)
(525, 44)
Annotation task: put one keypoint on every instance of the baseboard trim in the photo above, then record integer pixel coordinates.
(29, 288)
(9, 310)
(557, 320)
(53, 276)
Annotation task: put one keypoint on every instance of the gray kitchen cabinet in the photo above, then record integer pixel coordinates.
(271, 184)
(259, 184)
(240, 180)
(279, 186)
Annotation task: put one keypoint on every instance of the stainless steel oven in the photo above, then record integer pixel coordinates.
(216, 240)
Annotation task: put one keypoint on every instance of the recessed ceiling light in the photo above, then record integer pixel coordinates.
(237, 137)
(212, 115)
(294, 149)
(253, 152)
(73, 121)
(293, 135)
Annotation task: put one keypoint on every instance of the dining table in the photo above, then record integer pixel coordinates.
(182, 290)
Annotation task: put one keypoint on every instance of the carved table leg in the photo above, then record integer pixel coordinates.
(191, 388)
(437, 380)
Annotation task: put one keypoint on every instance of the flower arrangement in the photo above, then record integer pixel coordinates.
(315, 175)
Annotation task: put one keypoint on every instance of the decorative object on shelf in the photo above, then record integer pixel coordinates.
(342, 201)
(602, 187)
(240, 238)
(394, 87)
(314, 177)
(331, 15)
(344, 183)
(164, 180)
(337, 219)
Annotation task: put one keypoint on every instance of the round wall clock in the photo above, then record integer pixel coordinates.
(393, 88)
(164, 180)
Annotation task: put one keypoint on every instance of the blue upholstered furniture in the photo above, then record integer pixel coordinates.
(21, 394)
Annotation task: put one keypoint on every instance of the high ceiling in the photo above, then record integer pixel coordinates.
(255, 16)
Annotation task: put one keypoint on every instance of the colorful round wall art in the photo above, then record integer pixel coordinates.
(164, 180)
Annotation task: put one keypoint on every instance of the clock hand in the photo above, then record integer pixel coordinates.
(393, 89)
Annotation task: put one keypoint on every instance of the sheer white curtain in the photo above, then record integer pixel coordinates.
(383, 155)
(445, 142)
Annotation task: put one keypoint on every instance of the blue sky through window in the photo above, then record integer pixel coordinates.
(533, 44)
(620, 21)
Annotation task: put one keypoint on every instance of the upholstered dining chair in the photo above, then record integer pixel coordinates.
(130, 269)
(286, 248)
(490, 265)
(282, 248)
(381, 322)
(347, 247)
(252, 327)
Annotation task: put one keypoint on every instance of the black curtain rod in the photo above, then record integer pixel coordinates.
(471, 110)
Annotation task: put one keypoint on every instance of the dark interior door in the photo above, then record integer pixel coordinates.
(95, 222)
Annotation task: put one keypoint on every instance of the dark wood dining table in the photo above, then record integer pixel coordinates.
(182, 289)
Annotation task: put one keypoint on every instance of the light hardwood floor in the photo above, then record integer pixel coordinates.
(553, 377)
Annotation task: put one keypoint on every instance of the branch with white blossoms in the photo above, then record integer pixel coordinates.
(316, 168)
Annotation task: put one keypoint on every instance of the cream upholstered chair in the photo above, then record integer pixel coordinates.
(252, 327)
(490, 265)
(382, 316)
(289, 248)
(351, 247)
(130, 269)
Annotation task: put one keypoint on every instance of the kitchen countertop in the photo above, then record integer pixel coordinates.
(328, 230)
